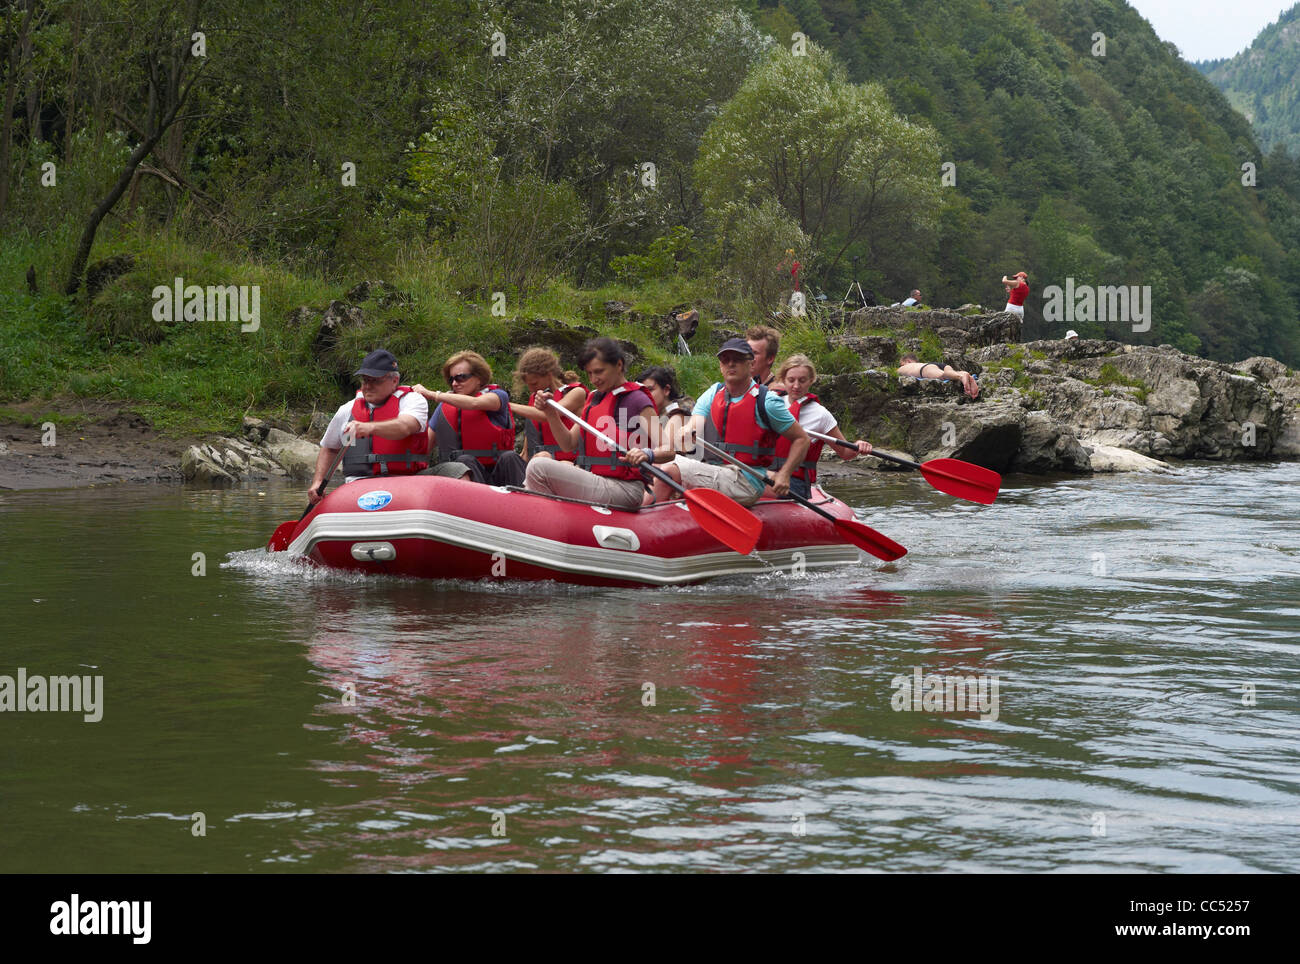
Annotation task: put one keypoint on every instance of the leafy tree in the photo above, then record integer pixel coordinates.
(832, 154)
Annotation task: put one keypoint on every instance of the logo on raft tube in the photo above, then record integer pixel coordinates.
(374, 500)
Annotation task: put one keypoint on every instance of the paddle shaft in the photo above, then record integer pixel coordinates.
(953, 476)
(853, 445)
(659, 474)
(762, 477)
(320, 490)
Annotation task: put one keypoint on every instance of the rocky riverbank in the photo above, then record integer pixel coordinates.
(1061, 406)
(1044, 407)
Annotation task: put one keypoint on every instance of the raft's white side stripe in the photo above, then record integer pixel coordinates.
(551, 554)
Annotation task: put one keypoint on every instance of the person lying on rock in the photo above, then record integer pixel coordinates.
(919, 369)
(473, 426)
(386, 422)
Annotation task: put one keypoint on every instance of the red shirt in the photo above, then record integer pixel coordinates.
(1018, 294)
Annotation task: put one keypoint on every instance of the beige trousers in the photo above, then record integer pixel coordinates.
(554, 477)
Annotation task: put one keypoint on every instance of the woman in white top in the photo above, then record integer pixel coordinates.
(795, 377)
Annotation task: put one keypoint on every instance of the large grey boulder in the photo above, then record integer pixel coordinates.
(295, 455)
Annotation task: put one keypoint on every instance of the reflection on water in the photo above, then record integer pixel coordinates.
(1143, 633)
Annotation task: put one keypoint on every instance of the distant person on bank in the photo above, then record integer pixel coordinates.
(919, 369)
(1017, 291)
(387, 422)
(473, 425)
(913, 299)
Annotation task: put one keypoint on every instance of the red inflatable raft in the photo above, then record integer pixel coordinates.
(440, 528)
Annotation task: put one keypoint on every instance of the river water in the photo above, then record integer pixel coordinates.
(1143, 633)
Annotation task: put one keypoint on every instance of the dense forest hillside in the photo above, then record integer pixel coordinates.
(1263, 82)
(1122, 168)
(521, 154)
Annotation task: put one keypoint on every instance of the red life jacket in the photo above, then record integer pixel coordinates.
(742, 428)
(601, 412)
(808, 467)
(477, 435)
(382, 456)
(540, 436)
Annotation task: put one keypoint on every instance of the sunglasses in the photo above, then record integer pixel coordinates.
(457, 379)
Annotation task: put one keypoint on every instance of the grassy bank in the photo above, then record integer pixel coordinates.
(198, 377)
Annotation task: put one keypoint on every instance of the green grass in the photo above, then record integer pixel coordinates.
(202, 377)
(1112, 376)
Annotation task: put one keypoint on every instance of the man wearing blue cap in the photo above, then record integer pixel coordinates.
(386, 423)
(741, 417)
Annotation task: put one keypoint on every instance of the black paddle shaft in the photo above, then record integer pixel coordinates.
(320, 489)
(879, 455)
(659, 474)
(754, 473)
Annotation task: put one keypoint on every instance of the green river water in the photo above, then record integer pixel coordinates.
(1143, 632)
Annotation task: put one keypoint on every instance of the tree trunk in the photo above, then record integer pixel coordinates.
(92, 225)
(166, 98)
(11, 94)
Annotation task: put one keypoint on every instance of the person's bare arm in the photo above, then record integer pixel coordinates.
(323, 459)
(843, 451)
(798, 449)
(392, 429)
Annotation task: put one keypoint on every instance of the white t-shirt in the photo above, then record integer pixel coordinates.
(412, 403)
(814, 417)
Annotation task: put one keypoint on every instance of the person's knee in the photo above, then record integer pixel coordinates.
(537, 473)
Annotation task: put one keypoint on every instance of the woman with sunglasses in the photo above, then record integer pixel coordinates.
(473, 425)
(619, 408)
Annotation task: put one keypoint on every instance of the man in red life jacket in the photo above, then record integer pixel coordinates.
(743, 418)
(385, 422)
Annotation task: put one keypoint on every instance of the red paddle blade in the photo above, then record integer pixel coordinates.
(955, 477)
(869, 540)
(282, 536)
(727, 521)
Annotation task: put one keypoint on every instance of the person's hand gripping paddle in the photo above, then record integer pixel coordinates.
(974, 483)
(863, 536)
(725, 519)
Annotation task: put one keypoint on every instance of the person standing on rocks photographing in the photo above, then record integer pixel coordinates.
(386, 422)
(1017, 291)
